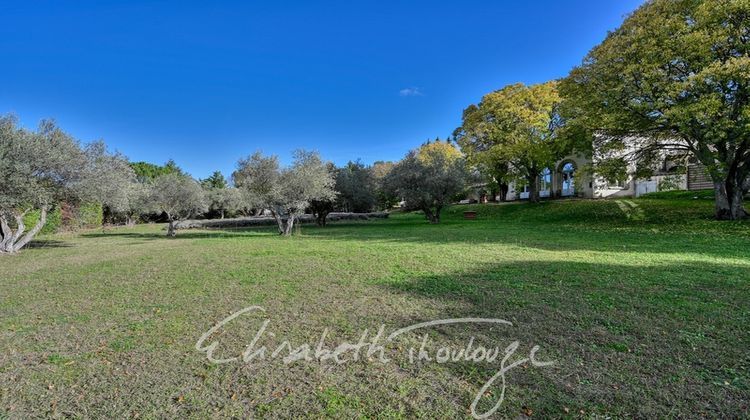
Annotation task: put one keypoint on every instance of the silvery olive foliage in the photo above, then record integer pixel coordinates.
(178, 196)
(223, 200)
(286, 192)
(44, 167)
(429, 178)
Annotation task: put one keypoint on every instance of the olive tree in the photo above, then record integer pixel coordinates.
(223, 200)
(674, 78)
(286, 192)
(429, 178)
(178, 196)
(43, 168)
(321, 208)
(356, 188)
(384, 196)
(134, 202)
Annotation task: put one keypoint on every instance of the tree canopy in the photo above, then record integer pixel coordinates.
(178, 196)
(215, 181)
(674, 77)
(429, 178)
(286, 192)
(355, 187)
(42, 168)
(511, 133)
(146, 171)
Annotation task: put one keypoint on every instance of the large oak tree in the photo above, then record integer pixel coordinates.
(674, 77)
(511, 133)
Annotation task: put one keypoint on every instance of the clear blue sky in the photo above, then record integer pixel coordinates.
(205, 83)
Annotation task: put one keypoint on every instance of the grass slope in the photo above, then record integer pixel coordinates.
(644, 316)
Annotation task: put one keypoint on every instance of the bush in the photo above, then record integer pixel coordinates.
(54, 220)
(88, 216)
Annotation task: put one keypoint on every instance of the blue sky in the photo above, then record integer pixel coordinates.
(205, 83)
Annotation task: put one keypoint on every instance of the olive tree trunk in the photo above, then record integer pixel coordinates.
(171, 231)
(285, 224)
(12, 241)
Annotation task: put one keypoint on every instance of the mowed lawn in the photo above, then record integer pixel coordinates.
(647, 316)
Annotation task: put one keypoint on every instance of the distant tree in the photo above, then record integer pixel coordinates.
(355, 185)
(429, 178)
(384, 197)
(221, 198)
(224, 200)
(674, 77)
(134, 203)
(478, 138)
(512, 133)
(170, 167)
(215, 181)
(41, 169)
(286, 192)
(321, 208)
(146, 172)
(178, 196)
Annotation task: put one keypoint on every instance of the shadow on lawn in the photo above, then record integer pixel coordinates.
(192, 234)
(627, 341)
(621, 237)
(47, 243)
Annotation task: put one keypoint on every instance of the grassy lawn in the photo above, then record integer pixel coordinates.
(643, 315)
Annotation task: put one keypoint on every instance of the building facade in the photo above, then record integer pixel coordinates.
(571, 177)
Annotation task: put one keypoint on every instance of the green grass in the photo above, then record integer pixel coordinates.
(680, 195)
(643, 318)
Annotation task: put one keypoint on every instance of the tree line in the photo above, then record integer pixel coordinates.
(674, 78)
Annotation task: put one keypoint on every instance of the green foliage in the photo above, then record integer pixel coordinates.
(355, 185)
(54, 220)
(145, 171)
(215, 181)
(45, 168)
(89, 215)
(384, 197)
(679, 195)
(673, 79)
(428, 178)
(287, 192)
(613, 170)
(510, 134)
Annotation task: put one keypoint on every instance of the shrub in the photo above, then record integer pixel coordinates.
(54, 220)
(88, 216)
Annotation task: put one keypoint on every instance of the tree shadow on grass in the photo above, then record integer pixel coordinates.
(47, 243)
(627, 341)
(192, 234)
(623, 237)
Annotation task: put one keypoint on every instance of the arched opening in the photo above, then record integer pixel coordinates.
(567, 178)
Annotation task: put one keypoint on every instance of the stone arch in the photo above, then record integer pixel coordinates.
(567, 170)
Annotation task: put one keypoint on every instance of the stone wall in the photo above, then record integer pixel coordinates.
(268, 220)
